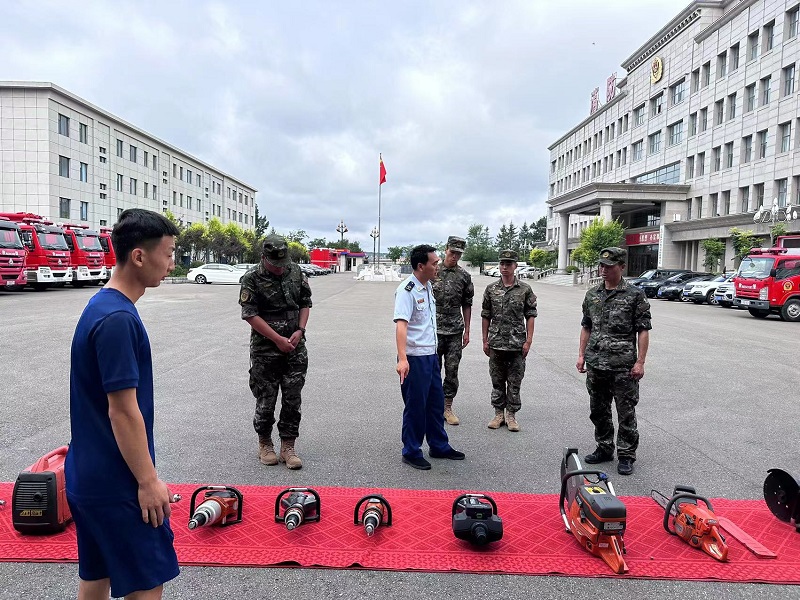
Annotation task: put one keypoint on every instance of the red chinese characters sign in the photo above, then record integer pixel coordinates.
(643, 238)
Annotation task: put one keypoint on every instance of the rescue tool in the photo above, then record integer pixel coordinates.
(695, 524)
(475, 519)
(39, 500)
(594, 514)
(377, 512)
(222, 505)
(782, 495)
(299, 505)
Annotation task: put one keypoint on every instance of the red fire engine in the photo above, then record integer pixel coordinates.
(12, 256)
(86, 254)
(768, 281)
(47, 261)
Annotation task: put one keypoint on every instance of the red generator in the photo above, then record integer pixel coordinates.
(39, 501)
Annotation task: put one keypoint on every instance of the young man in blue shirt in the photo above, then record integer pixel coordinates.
(120, 506)
(418, 364)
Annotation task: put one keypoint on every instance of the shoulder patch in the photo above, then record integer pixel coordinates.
(245, 296)
(409, 286)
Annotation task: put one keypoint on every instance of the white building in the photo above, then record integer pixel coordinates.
(68, 160)
(700, 133)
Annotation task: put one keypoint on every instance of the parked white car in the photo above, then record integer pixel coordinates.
(703, 291)
(493, 272)
(725, 293)
(215, 273)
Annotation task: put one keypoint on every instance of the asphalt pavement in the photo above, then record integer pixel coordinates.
(718, 408)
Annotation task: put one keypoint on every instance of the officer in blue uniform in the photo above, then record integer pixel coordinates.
(418, 365)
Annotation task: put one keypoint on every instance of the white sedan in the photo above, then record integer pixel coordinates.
(215, 273)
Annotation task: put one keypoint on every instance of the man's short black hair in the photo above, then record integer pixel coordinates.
(419, 255)
(139, 228)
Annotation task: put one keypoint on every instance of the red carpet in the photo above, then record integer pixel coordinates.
(421, 539)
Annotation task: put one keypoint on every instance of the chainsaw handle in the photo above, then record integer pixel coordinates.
(672, 502)
(484, 496)
(569, 475)
(388, 520)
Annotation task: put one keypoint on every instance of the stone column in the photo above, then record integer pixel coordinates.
(563, 236)
(605, 210)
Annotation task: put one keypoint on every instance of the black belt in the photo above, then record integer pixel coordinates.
(449, 311)
(287, 315)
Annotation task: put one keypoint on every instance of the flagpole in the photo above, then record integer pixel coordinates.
(379, 224)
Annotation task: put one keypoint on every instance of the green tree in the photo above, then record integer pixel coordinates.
(513, 237)
(539, 230)
(479, 246)
(262, 224)
(192, 241)
(715, 250)
(742, 242)
(297, 252)
(542, 259)
(504, 239)
(525, 239)
(216, 240)
(234, 242)
(296, 236)
(395, 252)
(778, 229)
(318, 243)
(595, 237)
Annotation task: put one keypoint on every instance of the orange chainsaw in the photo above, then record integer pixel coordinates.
(695, 524)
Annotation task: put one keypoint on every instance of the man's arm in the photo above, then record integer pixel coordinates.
(529, 324)
(485, 334)
(637, 372)
(467, 312)
(401, 336)
(262, 327)
(584, 341)
(127, 424)
(301, 324)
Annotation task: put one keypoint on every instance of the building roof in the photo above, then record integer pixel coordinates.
(45, 85)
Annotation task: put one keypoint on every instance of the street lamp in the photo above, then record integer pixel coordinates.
(342, 229)
(374, 235)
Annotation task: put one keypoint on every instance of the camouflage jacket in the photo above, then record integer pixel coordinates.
(614, 318)
(508, 310)
(277, 300)
(453, 291)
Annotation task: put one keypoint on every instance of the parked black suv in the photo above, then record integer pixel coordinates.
(655, 274)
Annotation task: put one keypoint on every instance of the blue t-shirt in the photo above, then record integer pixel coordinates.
(110, 352)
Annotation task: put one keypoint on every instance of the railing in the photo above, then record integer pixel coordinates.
(545, 273)
(593, 281)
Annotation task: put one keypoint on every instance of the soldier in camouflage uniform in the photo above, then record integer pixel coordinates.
(508, 314)
(616, 319)
(454, 291)
(276, 300)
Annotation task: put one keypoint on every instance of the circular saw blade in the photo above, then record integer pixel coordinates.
(782, 495)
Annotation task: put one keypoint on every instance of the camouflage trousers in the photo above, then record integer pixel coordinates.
(506, 368)
(605, 387)
(268, 375)
(449, 351)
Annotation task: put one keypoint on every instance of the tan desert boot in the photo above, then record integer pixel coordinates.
(511, 421)
(288, 455)
(498, 419)
(449, 415)
(266, 452)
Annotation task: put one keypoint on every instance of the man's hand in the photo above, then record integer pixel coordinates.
(402, 369)
(465, 341)
(637, 372)
(154, 500)
(295, 339)
(581, 365)
(526, 347)
(285, 345)
(486, 347)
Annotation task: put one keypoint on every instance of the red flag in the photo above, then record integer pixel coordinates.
(382, 172)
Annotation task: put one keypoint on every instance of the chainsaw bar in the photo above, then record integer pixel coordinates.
(752, 544)
(662, 501)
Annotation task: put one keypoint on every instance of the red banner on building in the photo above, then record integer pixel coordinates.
(643, 238)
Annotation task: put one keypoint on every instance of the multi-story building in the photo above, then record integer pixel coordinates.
(700, 133)
(68, 160)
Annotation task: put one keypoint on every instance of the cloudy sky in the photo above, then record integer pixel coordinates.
(298, 98)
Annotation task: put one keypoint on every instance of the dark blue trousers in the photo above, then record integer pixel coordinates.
(423, 416)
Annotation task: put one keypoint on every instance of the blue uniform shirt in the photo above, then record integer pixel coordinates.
(415, 303)
(110, 352)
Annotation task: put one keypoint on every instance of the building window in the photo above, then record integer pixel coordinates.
(689, 167)
(758, 192)
(783, 188)
(752, 46)
(145, 189)
(765, 83)
(656, 104)
(245, 219)
(762, 144)
(180, 196)
(199, 180)
(703, 119)
(669, 174)
(678, 91)
(180, 171)
(786, 136)
(84, 171)
(769, 36)
(84, 211)
(732, 106)
(229, 213)
(133, 186)
(655, 143)
(63, 124)
(119, 182)
(716, 159)
(750, 97)
(701, 164)
(155, 163)
(102, 150)
(676, 133)
(103, 159)
(189, 202)
(726, 202)
(747, 149)
(63, 208)
(744, 199)
(146, 159)
(199, 205)
(734, 58)
(119, 148)
(713, 200)
(719, 112)
(695, 80)
(722, 65)
(240, 197)
(155, 193)
(638, 119)
(706, 74)
(188, 176)
(103, 186)
(247, 198)
(699, 206)
(174, 198)
(788, 80)
(728, 155)
(174, 170)
(63, 166)
(692, 124)
(791, 22)
(83, 133)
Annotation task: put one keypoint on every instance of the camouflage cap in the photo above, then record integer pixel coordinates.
(276, 251)
(508, 256)
(612, 256)
(456, 244)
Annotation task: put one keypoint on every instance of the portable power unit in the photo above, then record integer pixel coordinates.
(39, 501)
